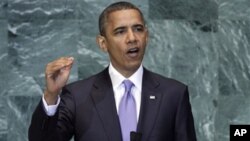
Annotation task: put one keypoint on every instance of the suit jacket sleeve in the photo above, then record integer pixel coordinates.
(53, 128)
(184, 125)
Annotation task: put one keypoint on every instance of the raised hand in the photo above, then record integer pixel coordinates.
(56, 73)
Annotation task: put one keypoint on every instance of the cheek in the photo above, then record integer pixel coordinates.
(116, 52)
(116, 48)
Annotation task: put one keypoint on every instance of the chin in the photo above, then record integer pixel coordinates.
(134, 66)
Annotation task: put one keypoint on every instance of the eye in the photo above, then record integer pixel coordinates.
(120, 31)
(138, 28)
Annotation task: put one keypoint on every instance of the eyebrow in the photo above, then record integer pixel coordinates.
(124, 27)
(138, 25)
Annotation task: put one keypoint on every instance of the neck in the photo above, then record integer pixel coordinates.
(126, 72)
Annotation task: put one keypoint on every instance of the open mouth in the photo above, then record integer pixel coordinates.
(133, 52)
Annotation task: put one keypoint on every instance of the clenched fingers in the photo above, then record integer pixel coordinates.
(56, 66)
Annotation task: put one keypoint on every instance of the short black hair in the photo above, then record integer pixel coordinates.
(112, 8)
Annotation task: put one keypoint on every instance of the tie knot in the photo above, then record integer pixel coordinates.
(128, 85)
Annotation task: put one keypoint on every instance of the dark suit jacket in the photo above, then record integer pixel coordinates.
(87, 110)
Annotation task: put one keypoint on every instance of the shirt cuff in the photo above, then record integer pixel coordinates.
(50, 110)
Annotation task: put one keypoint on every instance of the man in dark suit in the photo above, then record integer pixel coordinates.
(92, 109)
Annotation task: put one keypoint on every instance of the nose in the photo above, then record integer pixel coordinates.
(131, 38)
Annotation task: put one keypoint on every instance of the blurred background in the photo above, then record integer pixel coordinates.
(203, 43)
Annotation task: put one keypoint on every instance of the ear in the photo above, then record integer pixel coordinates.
(101, 41)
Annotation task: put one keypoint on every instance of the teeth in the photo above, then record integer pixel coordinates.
(132, 50)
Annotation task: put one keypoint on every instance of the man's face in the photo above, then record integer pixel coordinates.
(125, 40)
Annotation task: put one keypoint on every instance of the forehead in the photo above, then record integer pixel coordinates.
(124, 17)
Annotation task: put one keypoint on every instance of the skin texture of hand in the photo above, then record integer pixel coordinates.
(56, 73)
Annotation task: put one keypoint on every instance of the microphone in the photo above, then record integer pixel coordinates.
(135, 136)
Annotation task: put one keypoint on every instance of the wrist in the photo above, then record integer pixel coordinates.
(50, 98)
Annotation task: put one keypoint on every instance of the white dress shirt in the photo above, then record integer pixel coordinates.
(50, 109)
(118, 88)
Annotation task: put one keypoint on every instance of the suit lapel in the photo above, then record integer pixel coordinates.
(150, 103)
(103, 97)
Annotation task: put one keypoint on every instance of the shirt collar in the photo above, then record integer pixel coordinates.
(117, 78)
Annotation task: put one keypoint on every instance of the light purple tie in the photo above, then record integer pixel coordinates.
(127, 112)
